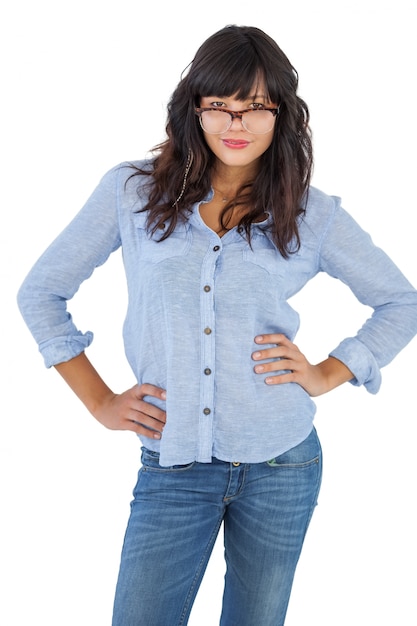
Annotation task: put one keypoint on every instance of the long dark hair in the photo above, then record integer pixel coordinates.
(231, 62)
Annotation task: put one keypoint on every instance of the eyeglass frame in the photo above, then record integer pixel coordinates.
(233, 115)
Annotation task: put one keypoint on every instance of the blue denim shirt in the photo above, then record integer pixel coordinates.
(196, 303)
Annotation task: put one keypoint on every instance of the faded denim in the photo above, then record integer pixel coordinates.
(176, 514)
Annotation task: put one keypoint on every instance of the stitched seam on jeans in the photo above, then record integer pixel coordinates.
(198, 577)
(297, 465)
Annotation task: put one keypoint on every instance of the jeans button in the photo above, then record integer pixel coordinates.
(235, 464)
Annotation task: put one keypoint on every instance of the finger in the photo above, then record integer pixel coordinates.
(277, 338)
(280, 379)
(149, 410)
(274, 366)
(146, 389)
(277, 352)
(270, 353)
(141, 429)
(144, 420)
(283, 347)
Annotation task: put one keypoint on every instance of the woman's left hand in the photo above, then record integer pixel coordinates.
(314, 379)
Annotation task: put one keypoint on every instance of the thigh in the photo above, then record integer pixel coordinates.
(264, 534)
(169, 538)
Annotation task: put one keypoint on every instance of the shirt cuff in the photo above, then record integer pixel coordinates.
(61, 349)
(361, 362)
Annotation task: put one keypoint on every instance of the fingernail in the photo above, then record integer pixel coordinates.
(259, 369)
(157, 435)
(164, 395)
(259, 338)
(256, 355)
(268, 381)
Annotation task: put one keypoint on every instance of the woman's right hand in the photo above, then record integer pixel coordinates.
(124, 411)
(129, 411)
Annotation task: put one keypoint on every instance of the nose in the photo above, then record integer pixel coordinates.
(237, 122)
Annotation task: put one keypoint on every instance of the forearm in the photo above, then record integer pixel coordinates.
(334, 373)
(85, 382)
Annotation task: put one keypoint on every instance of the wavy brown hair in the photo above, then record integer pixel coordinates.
(230, 63)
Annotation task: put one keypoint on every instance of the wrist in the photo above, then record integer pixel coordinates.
(334, 373)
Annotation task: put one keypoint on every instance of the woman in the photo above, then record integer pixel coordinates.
(218, 231)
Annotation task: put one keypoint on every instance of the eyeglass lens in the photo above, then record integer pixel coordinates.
(257, 121)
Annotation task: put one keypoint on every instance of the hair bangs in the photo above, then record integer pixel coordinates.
(237, 76)
(233, 66)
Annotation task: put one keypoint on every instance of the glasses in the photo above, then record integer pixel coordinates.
(217, 121)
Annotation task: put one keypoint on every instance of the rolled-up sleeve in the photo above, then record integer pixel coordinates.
(349, 254)
(85, 244)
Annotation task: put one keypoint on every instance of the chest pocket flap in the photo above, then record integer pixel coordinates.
(154, 251)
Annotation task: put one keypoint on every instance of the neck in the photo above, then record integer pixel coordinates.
(227, 180)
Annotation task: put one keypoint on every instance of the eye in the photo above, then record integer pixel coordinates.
(256, 105)
(217, 104)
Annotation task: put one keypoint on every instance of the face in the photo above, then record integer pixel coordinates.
(237, 147)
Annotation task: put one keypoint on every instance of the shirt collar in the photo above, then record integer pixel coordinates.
(266, 222)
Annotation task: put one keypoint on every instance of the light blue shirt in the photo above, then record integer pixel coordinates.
(195, 304)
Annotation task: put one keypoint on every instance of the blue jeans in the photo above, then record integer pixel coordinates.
(176, 515)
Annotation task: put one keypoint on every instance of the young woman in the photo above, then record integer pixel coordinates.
(218, 231)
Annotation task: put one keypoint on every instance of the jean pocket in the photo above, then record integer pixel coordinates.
(306, 453)
(150, 462)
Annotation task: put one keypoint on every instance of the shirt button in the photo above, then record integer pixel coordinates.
(207, 331)
(207, 288)
(235, 464)
(206, 411)
(207, 371)
(216, 248)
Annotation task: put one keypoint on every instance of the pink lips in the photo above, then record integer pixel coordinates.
(235, 144)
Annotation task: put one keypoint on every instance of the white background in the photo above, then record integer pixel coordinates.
(84, 86)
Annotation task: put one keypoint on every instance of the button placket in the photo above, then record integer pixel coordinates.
(208, 270)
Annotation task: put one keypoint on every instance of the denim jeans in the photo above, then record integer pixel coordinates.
(175, 517)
